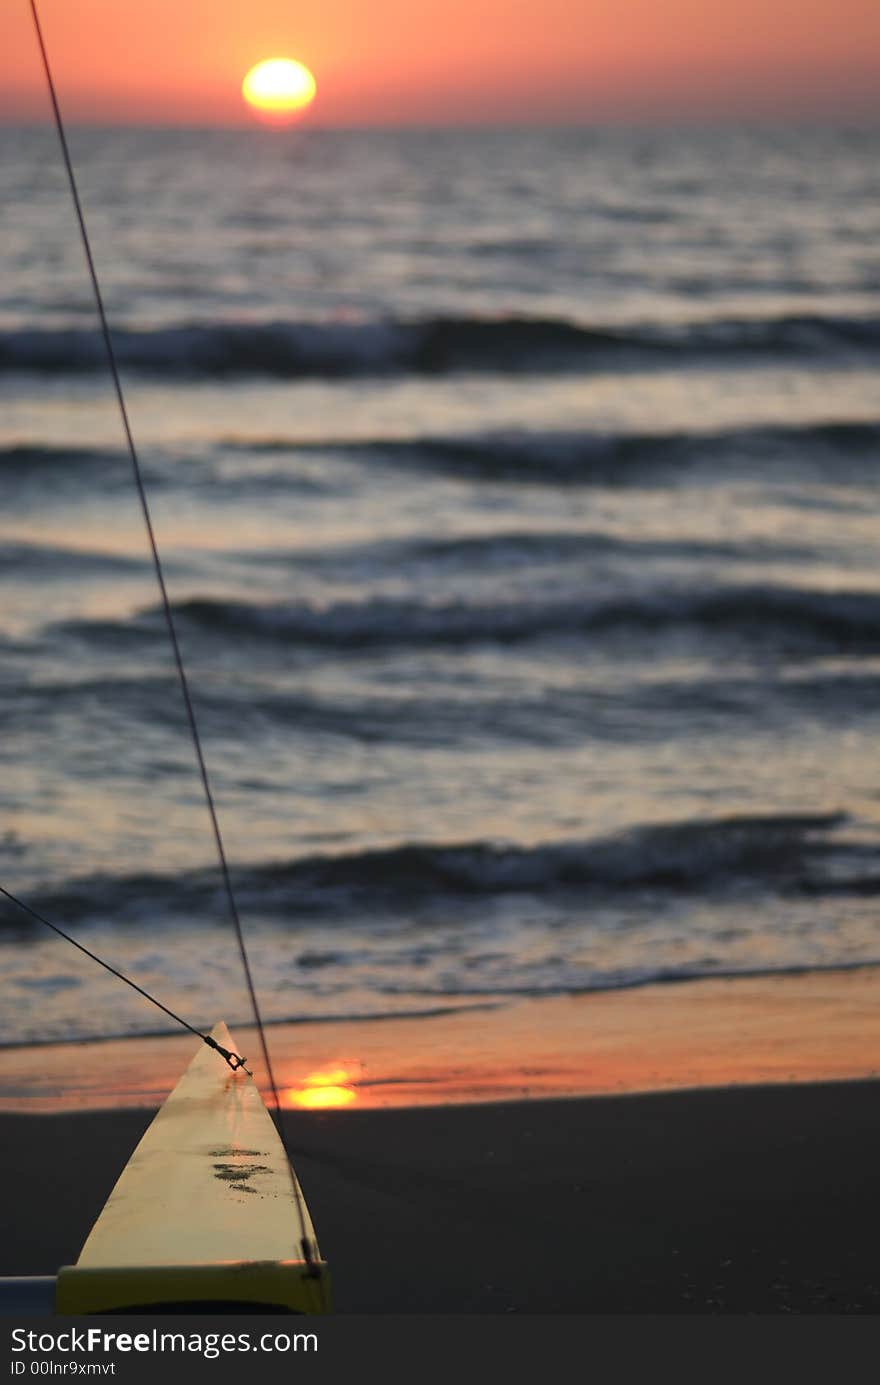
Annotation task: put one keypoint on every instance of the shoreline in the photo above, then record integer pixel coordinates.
(719, 1033)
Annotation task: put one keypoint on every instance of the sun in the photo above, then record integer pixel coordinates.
(278, 88)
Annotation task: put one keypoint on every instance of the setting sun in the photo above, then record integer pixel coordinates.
(279, 87)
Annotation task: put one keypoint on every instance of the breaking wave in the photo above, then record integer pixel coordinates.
(766, 854)
(792, 616)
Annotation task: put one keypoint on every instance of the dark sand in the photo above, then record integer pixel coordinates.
(748, 1200)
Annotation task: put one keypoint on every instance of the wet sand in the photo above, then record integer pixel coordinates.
(815, 1026)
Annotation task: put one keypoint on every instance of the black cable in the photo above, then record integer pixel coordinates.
(233, 1059)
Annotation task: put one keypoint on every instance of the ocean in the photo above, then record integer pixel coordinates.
(517, 491)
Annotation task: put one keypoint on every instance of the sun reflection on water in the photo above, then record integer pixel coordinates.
(326, 1090)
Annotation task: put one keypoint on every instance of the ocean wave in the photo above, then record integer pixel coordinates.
(593, 458)
(510, 549)
(429, 346)
(780, 853)
(426, 1003)
(667, 710)
(793, 617)
(531, 457)
(36, 469)
(242, 1020)
(48, 561)
(20, 456)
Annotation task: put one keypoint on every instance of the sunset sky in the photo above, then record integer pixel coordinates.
(443, 62)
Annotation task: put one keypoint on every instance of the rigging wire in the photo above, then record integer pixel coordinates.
(234, 1060)
(169, 616)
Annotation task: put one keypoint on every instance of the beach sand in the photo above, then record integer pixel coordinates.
(743, 1197)
(751, 1200)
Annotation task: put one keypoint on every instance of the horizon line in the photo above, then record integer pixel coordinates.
(831, 119)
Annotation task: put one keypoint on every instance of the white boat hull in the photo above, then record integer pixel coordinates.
(207, 1213)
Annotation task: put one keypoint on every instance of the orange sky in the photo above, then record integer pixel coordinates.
(451, 61)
